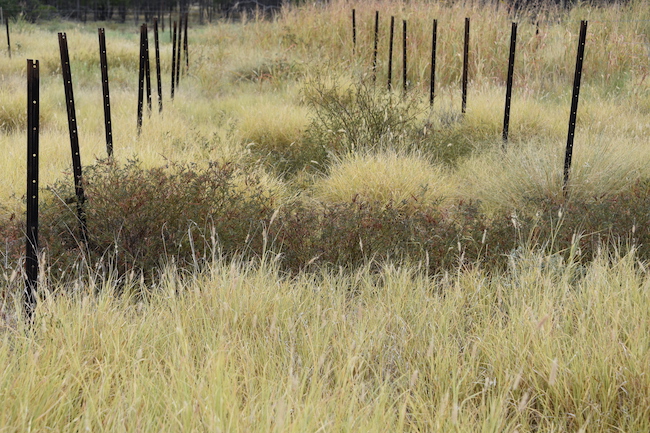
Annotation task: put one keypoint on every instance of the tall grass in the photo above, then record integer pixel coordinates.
(543, 347)
(551, 339)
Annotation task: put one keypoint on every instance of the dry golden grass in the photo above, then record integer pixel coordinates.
(544, 345)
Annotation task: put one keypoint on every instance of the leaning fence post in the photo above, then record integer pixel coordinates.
(374, 53)
(511, 69)
(432, 81)
(574, 106)
(8, 40)
(31, 239)
(74, 134)
(390, 53)
(157, 48)
(465, 67)
(107, 100)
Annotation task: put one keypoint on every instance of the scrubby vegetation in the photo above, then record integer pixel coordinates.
(289, 246)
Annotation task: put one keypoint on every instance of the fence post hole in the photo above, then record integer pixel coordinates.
(74, 135)
(147, 67)
(31, 241)
(390, 54)
(178, 49)
(511, 69)
(157, 48)
(141, 80)
(8, 40)
(185, 43)
(432, 81)
(173, 59)
(574, 106)
(404, 77)
(465, 67)
(107, 100)
(374, 53)
(354, 32)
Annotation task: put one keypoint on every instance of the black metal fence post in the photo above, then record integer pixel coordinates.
(157, 48)
(173, 60)
(374, 53)
(432, 81)
(354, 32)
(511, 69)
(107, 100)
(31, 241)
(141, 80)
(147, 67)
(178, 49)
(574, 106)
(74, 135)
(465, 67)
(8, 40)
(390, 53)
(404, 77)
(185, 44)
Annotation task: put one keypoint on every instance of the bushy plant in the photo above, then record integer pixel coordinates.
(358, 116)
(138, 218)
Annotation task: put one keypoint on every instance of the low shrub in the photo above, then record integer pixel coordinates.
(138, 218)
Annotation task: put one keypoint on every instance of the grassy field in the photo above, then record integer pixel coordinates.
(290, 247)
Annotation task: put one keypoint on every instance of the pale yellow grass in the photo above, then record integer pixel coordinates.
(389, 178)
(241, 348)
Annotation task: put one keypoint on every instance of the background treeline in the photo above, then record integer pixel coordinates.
(121, 10)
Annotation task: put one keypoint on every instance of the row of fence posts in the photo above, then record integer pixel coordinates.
(465, 73)
(144, 78)
(31, 262)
